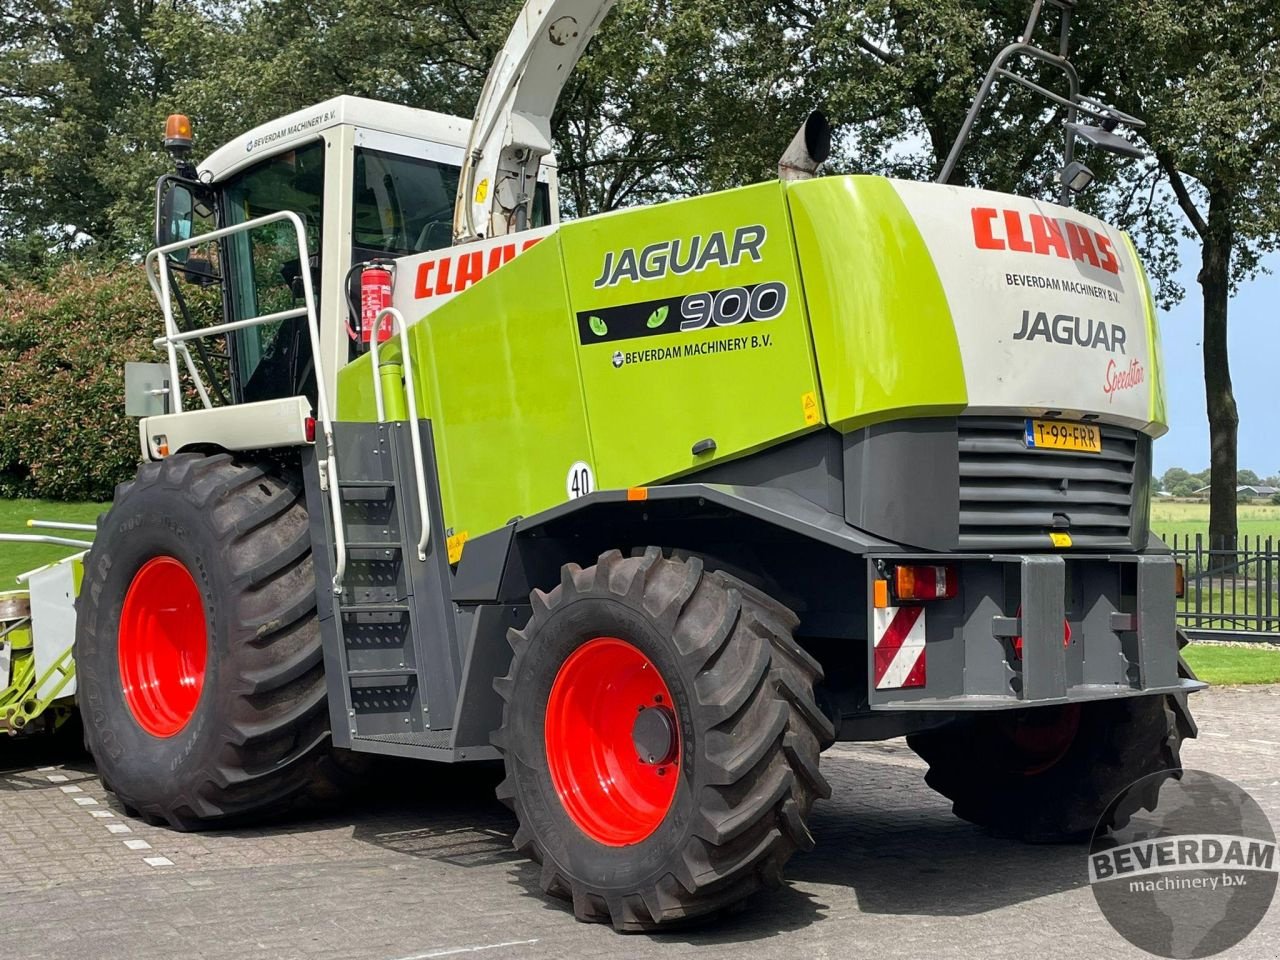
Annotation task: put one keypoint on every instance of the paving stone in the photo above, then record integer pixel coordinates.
(427, 871)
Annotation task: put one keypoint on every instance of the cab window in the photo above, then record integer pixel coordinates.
(264, 271)
(404, 205)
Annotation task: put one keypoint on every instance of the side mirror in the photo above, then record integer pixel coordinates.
(175, 215)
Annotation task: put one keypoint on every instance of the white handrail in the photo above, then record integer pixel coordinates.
(62, 525)
(415, 438)
(157, 269)
(41, 538)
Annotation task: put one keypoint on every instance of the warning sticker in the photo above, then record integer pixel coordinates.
(455, 544)
(810, 404)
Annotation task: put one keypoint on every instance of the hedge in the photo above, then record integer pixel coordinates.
(63, 347)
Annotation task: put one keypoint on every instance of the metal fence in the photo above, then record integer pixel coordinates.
(1231, 590)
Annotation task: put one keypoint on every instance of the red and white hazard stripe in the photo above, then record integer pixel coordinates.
(899, 648)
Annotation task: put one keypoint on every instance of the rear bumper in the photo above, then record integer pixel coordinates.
(1027, 630)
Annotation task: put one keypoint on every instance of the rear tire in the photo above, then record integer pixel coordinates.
(212, 708)
(1046, 774)
(744, 735)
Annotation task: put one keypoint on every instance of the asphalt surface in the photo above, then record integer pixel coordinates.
(426, 870)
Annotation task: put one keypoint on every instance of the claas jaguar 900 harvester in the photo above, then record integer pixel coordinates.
(652, 506)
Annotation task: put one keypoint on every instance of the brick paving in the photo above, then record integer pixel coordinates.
(426, 870)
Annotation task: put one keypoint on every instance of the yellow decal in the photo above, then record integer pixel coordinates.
(456, 543)
(482, 191)
(810, 403)
(1060, 539)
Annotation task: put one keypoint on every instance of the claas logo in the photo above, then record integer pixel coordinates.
(1033, 233)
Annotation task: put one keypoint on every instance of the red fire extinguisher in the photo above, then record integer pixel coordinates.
(375, 296)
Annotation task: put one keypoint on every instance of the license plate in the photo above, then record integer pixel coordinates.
(1063, 435)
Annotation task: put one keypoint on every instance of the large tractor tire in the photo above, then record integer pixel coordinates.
(660, 739)
(1046, 774)
(198, 649)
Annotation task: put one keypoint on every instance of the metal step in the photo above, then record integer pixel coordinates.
(359, 484)
(374, 545)
(391, 673)
(425, 738)
(373, 608)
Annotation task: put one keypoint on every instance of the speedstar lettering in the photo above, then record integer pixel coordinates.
(1067, 329)
(1033, 233)
(681, 257)
(1122, 379)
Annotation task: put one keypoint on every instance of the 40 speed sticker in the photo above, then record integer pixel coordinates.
(730, 307)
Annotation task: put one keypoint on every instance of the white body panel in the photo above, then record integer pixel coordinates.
(247, 426)
(1049, 307)
(53, 620)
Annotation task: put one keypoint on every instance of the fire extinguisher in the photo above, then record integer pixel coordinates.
(375, 295)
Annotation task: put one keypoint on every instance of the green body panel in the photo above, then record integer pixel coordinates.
(638, 346)
(653, 390)
(497, 375)
(1159, 415)
(883, 332)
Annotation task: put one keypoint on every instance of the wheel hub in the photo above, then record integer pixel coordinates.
(654, 735)
(162, 647)
(612, 742)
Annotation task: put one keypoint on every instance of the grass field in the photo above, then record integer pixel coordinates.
(16, 558)
(1188, 519)
(1233, 665)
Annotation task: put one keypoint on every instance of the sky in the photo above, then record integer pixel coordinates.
(1254, 343)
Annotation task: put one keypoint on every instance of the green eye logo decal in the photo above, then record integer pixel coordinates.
(658, 317)
(600, 328)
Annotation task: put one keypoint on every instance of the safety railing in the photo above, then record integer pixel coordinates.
(49, 540)
(174, 342)
(399, 327)
(1232, 588)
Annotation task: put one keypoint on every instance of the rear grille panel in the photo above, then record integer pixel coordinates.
(1011, 496)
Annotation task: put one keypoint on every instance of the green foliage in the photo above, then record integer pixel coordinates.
(1275, 498)
(63, 346)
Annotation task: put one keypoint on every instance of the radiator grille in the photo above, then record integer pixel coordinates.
(1011, 497)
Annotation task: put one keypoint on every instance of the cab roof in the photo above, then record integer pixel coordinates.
(308, 123)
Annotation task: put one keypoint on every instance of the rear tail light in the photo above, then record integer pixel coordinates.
(916, 582)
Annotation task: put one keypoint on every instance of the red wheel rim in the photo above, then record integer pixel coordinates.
(615, 796)
(163, 646)
(1043, 737)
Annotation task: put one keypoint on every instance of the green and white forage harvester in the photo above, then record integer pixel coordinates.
(653, 506)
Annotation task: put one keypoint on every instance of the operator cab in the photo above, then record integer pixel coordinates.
(369, 180)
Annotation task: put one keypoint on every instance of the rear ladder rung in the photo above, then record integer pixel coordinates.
(373, 608)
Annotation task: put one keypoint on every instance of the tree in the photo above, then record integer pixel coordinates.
(1174, 476)
(1248, 477)
(1214, 132)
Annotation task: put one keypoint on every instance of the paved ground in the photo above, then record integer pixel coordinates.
(428, 872)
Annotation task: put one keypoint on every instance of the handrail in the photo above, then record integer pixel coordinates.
(158, 276)
(43, 538)
(415, 438)
(62, 525)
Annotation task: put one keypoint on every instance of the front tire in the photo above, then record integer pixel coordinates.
(660, 739)
(197, 645)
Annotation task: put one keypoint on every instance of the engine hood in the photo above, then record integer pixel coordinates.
(928, 298)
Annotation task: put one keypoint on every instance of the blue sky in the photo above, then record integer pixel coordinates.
(1254, 343)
